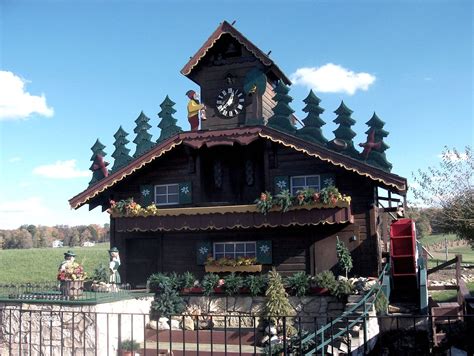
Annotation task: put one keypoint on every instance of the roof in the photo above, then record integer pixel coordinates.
(242, 136)
(222, 29)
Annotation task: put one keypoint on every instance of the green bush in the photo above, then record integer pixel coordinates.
(256, 284)
(175, 281)
(381, 304)
(326, 279)
(298, 283)
(343, 288)
(344, 256)
(209, 282)
(167, 303)
(129, 345)
(187, 280)
(233, 283)
(101, 273)
(157, 282)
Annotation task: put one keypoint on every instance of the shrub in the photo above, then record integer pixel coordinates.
(175, 281)
(101, 273)
(233, 283)
(344, 256)
(326, 279)
(209, 282)
(381, 304)
(129, 345)
(283, 200)
(256, 284)
(298, 283)
(167, 303)
(187, 280)
(157, 282)
(343, 288)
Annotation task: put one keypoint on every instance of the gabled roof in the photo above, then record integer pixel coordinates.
(242, 136)
(222, 29)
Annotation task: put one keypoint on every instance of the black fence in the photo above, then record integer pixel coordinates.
(79, 332)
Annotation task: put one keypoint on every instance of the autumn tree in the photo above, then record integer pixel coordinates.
(449, 187)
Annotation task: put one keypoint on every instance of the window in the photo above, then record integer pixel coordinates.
(167, 194)
(304, 182)
(235, 249)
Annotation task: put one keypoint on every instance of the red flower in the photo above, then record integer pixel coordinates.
(263, 197)
(316, 197)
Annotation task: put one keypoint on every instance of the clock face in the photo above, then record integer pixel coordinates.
(230, 102)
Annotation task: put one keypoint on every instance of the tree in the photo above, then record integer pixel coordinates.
(143, 138)
(168, 122)
(281, 119)
(276, 299)
(344, 132)
(121, 153)
(98, 167)
(20, 238)
(312, 123)
(450, 188)
(376, 156)
(344, 256)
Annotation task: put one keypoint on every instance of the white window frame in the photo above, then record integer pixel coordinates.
(167, 194)
(305, 179)
(234, 243)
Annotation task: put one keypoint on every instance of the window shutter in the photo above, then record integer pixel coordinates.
(185, 193)
(327, 180)
(280, 183)
(147, 195)
(264, 252)
(203, 250)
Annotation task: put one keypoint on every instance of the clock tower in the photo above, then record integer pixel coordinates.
(236, 80)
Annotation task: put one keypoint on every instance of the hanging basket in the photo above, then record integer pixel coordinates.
(72, 289)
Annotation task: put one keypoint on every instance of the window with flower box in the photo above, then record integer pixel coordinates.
(234, 249)
(305, 182)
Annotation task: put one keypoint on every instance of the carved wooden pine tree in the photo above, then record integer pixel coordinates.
(281, 119)
(344, 132)
(143, 138)
(375, 147)
(99, 166)
(168, 122)
(312, 123)
(122, 153)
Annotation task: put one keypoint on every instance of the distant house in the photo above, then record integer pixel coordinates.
(57, 243)
(88, 244)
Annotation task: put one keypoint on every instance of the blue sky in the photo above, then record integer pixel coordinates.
(88, 67)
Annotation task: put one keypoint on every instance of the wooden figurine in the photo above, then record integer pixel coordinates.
(194, 108)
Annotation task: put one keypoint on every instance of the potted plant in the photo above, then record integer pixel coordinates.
(209, 282)
(71, 276)
(256, 284)
(298, 283)
(187, 282)
(325, 282)
(233, 283)
(128, 347)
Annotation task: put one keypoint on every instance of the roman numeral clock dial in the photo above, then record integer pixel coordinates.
(230, 102)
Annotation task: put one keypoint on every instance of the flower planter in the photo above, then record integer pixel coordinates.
(318, 291)
(249, 269)
(218, 290)
(72, 289)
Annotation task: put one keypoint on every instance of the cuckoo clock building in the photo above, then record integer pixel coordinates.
(197, 189)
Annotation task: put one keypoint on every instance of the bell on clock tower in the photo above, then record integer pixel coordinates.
(236, 80)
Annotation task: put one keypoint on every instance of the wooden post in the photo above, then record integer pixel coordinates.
(446, 248)
(458, 268)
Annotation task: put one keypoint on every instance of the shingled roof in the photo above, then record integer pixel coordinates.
(242, 136)
(227, 28)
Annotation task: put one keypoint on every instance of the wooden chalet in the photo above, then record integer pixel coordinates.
(204, 183)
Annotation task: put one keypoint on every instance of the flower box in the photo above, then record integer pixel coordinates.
(249, 269)
(318, 291)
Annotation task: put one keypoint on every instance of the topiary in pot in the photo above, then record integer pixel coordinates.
(233, 283)
(209, 282)
(298, 283)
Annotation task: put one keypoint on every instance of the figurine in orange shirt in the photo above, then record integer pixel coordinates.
(194, 108)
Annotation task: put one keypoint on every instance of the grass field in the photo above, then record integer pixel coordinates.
(433, 239)
(41, 264)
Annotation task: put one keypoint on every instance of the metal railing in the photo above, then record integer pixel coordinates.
(41, 332)
(351, 317)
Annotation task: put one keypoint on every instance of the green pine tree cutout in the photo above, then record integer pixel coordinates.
(168, 122)
(344, 132)
(375, 134)
(312, 123)
(122, 153)
(281, 119)
(143, 138)
(98, 166)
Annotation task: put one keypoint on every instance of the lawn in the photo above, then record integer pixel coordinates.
(449, 295)
(41, 264)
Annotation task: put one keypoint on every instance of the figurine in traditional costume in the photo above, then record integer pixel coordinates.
(194, 108)
(114, 266)
(68, 259)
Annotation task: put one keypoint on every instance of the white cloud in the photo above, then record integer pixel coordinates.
(14, 159)
(61, 170)
(34, 211)
(16, 102)
(453, 156)
(332, 78)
